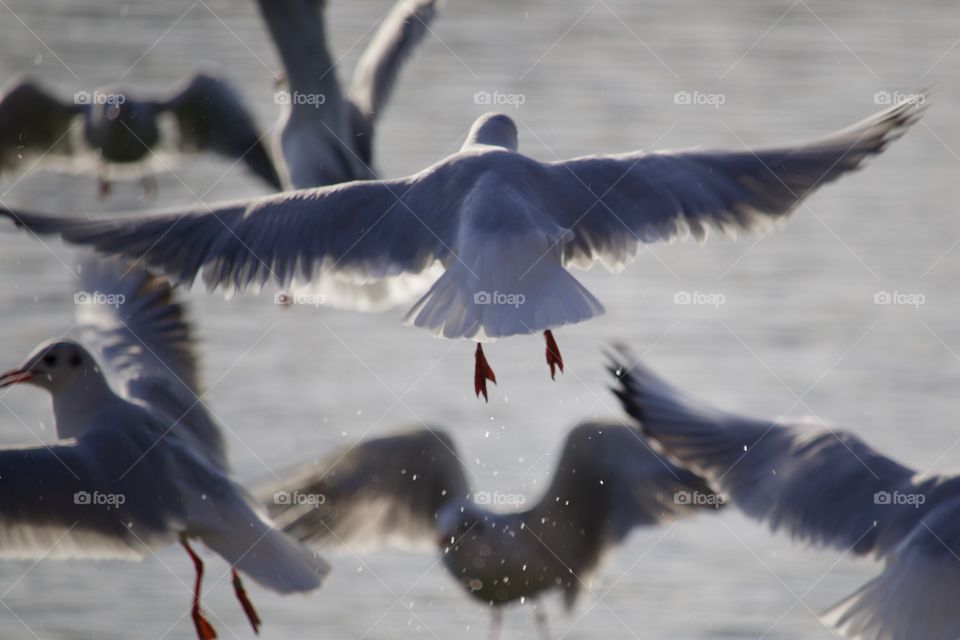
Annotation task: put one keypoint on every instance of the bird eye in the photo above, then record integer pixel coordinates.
(50, 360)
(76, 360)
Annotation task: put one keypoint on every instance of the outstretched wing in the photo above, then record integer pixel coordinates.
(382, 490)
(915, 596)
(615, 203)
(211, 116)
(34, 123)
(608, 482)
(99, 497)
(822, 486)
(359, 231)
(379, 67)
(135, 325)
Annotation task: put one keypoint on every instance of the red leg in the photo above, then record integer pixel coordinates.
(149, 186)
(103, 188)
(554, 359)
(204, 628)
(481, 373)
(245, 603)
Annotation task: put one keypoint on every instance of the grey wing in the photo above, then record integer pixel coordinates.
(99, 497)
(821, 486)
(211, 116)
(609, 476)
(915, 596)
(132, 320)
(34, 123)
(358, 231)
(379, 67)
(609, 481)
(383, 490)
(615, 203)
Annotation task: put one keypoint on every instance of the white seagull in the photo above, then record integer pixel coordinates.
(827, 488)
(139, 464)
(117, 128)
(326, 136)
(503, 226)
(412, 489)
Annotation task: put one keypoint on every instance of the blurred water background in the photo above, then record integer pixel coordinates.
(798, 331)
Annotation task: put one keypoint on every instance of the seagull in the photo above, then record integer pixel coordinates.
(120, 129)
(502, 226)
(139, 464)
(327, 133)
(412, 488)
(823, 487)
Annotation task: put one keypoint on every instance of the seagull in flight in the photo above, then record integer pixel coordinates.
(502, 227)
(412, 489)
(823, 487)
(327, 131)
(119, 129)
(139, 463)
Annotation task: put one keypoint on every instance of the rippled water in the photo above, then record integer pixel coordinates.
(799, 331)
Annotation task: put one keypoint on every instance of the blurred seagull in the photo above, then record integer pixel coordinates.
(412, 488)
(120, 129)
(504, 227)
(140, 464)
(827, 488)
(327, 137)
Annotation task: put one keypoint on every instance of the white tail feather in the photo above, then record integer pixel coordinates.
(499, 293)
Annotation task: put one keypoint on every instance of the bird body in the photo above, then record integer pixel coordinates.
(412, 487)
(504, 228)
(326, 131)
(140, 465)
(827, 488)
(121, 129)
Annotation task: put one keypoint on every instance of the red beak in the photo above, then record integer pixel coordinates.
(14, 376)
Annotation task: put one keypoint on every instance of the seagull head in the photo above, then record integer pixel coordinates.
(54, 366)
(495, 129)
